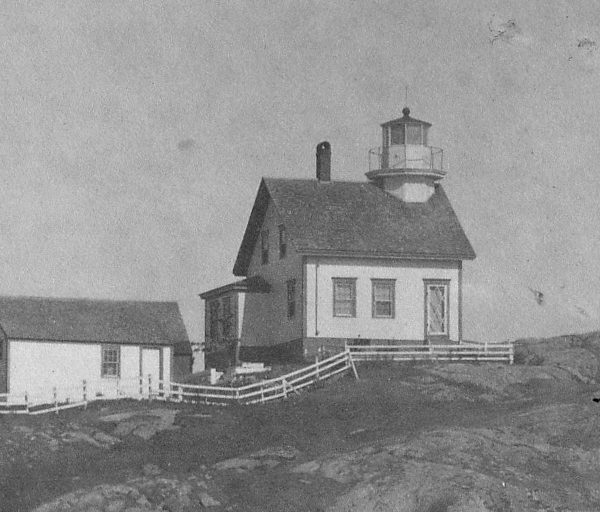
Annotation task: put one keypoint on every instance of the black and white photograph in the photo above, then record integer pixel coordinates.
(299, 256)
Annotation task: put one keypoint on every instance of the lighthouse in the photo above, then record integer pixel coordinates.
(405, 165)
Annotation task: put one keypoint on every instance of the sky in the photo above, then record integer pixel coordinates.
(134, 136)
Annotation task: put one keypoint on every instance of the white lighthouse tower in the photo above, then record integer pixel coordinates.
(404, 165)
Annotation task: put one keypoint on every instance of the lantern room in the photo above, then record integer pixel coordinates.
(405, 131)
(405, 165)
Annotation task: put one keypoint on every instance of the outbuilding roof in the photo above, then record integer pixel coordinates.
(358, 219)
(98, 321)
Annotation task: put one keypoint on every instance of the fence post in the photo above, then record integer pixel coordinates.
(349, 356)
(141, 387)
(149, 386)
(262, 393)
(26, 402)
(318, 377)
(54, 392)
(284, 388)
(511, 353)
(118, 386)
(85, 393)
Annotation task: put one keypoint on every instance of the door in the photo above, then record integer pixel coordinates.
(436, 311)
(150, 367)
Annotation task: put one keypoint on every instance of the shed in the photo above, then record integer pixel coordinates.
(58, 342)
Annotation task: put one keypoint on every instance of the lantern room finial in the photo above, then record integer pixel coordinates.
(406, 111)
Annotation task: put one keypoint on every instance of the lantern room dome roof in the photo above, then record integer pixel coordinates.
(405, 119)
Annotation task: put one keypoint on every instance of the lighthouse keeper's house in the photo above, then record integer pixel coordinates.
(326, 262)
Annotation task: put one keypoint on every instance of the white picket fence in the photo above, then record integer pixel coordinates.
(56, 399)
(497, 352)
(44, 399)
(266, 390)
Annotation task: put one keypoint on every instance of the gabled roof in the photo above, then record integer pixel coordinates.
(254, 284)
(99, 321)
(356, 219)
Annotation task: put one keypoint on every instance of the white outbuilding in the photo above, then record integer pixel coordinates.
(51, 343)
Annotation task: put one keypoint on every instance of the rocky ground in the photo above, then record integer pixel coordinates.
(406, 437)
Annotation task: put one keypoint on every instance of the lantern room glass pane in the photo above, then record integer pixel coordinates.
(397, 134)
(413, 134)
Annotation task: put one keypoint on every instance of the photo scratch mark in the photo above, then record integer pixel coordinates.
(538, 295)
(587, 44)
(505, 31)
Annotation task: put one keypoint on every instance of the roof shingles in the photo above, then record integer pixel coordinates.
(357, 219)
(86, 320)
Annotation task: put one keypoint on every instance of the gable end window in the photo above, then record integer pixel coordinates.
(291, 298)
(111, 361)
(344, 297)
(383, 298)
(264, 246)
(282, 242)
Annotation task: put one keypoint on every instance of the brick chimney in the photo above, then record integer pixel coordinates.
(324, 161)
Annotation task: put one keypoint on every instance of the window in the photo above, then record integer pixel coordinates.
(111, 361)
(226, 320)
(291, 298)
(397, 134)
(282, 242)
(344, 297)
(383, 298)
(213, 326)
(221, 321)
(264, 245)
(413, 134)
